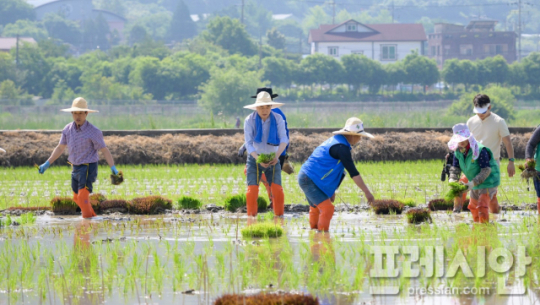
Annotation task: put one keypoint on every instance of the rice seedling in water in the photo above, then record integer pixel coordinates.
(528, 170)
(387, 206)
(27, 219)
(409, 202)
(233, 203)
(440, 204)
(265, 158)
(64, 205)
(149, 205)
(188, 203)
(264, 229)
(267, 299)
(456, 189)
(418, 215)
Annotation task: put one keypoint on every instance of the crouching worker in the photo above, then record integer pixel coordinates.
(264, 133)
(83, 141)
(323, 172)
(532, 153)
(479, 167)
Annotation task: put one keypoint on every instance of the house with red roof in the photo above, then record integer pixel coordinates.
(385, 43)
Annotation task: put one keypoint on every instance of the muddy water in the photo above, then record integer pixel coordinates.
(215, 236)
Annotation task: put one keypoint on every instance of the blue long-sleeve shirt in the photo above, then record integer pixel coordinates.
(250, 133)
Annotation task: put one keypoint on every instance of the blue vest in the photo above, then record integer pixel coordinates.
(324, 170)
(278, 111)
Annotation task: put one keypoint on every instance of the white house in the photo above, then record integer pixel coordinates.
(385, 43)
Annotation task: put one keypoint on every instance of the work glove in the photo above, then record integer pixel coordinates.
(43, 167)
(452, 180)
(469, 185)
(242, 150)
(114, 170)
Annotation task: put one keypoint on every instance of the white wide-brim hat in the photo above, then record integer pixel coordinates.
(462, 133)
(79, 104)
(263, 99)
(353, 127)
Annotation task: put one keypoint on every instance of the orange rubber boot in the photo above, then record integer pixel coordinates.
(494, 205)
(251, 200)
(483, 210)
(84, 204)
(279, 199)
(538, 204)
(473, 207)
(326, 209)
(314, 217)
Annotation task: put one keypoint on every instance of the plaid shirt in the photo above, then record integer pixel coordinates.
(83, 143)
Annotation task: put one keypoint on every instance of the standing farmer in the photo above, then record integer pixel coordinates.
(264, 133)
(83, 141)
(491, 131)
(532, 152)
(323, 172)
(479, 167)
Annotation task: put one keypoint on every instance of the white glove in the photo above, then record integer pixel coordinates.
(452, 180)
(470, 185)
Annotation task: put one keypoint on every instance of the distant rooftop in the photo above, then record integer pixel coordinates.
(7, 43)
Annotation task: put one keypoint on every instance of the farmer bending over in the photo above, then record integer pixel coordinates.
(264, 133)
(83, 141)
(323, 172)
(533, 150)
(479, 166)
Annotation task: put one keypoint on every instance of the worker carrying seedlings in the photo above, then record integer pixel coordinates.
(533, 149)
(283, 158)
(491, 131)
(479, 167)
(83, 141)
(323, 172)
(264, 134)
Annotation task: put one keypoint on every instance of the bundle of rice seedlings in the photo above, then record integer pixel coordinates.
(188, 203)
(441, 204)
(265, 158)
(528, 170)
(264, 229)
(95, 200)
(64, 205)
(387, 206)
(233, 203)
(149, 205)
(418, 215)
(456, 190)
(118, 205)
(117, 179)
(409, 202)
(267, 299)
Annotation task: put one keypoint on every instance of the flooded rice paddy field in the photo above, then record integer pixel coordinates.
(193, 259)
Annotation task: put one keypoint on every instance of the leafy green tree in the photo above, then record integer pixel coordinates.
(378, 77)
(231, 35)
(196, 72)
(137, 34)
(13, 10)
(395, 74)
(61, 28)
(531, 67)
(7, 67)
(499, 70)
(451, 72)
(517, 76)
(322, 69)
(34, 67)
(421, 70)
(9, 91)
(146, 75)
(276, 39)
(62, 93)
(53, 48)
(95, 33)
(67, 72)
(121, 68)
(469, 73)
(25, 28)
(156, 25)
(182, 26)
(358, 70)
(229, 90)
(277, 70)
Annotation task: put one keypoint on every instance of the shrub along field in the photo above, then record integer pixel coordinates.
(213, 184)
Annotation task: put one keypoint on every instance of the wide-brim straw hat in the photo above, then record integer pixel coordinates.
(79, 104)
(264, 99)
(353, 127)
(462, 133)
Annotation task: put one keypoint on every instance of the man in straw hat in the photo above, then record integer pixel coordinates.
(491, 131)
(264, 133)
(323, 173)
(83, 141)
(479, 166)
(283, 158)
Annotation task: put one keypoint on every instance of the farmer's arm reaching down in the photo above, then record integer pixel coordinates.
(532, 144)
(343, 153)
(57, 152)
(485, 168)
(511, 169)
(455, 171)
(108, 157)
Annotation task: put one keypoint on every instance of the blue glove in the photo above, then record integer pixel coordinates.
(43, 167)
(114, 170)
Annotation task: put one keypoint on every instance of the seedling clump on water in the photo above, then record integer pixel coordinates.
(189, 203)
(418, 215)
(456, 190)
(387, 206)
(233, 203)
(267, 299)
(64, 205)
(265, 158)
(265, 229)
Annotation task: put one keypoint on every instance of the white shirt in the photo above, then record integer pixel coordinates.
(489, 132)
(250, 131)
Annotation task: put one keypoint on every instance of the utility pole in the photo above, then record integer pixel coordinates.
(519, 31)
(333, 3)
(242, 16)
